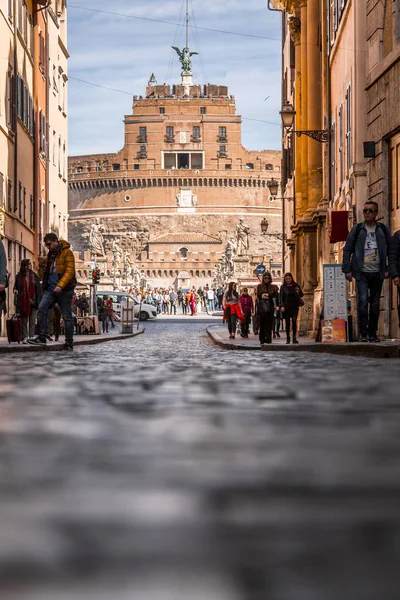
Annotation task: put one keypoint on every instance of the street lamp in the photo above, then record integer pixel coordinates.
(273, 185)
(287, 115)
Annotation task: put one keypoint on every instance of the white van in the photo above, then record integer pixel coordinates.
(147, 311)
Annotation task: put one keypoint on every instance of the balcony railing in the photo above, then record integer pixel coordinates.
(195, 139)
(222, 139)
(169, 139)
(142, 154)
(142, 139)
(222, 155)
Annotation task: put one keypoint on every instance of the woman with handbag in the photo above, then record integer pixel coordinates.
(28, 294)
(266, 292)
(290, 300)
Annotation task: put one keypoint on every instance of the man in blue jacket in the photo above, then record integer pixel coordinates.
(365, 257)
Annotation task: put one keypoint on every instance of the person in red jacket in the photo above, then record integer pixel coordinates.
(247, 304)
(232, 308)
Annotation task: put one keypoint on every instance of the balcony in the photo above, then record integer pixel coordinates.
(142, 154)
(169, 139)
(195, 139)
(142, 139)
(222, 139)
(222, 154)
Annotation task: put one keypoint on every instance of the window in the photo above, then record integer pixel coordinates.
(269, 167)
(341, 143)
(203, 110)
(228, 167)
(143, 133)
(183, 160)
(79, 169)
(1, 189)
(183, 252)
(10, 100)
(42, 133)
(116, 167)
(222, 150)
(18, 201)
(249, 165)
(162, 110)
(222, 133)
(170, 132)
(143, 150)
(136, 167)
(348, 130)
(24, 205)
(333, 159)
(196, 132)
(9, 196)
(31, 212)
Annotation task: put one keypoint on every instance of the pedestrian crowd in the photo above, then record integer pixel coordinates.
(169, 301)
(270, 308)
(371, 255)
(42, 298)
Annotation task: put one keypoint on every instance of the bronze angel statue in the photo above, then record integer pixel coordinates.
(185, 56)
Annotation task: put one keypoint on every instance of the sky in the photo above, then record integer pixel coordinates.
(120, 52)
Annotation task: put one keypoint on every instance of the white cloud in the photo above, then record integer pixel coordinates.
(121, 53)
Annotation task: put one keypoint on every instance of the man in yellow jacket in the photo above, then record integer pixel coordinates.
(58, 286)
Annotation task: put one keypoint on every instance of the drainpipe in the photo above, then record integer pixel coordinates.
(15, 101)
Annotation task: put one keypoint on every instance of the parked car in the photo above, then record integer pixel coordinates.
(147, 311)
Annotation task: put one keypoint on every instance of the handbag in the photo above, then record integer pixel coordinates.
(265, 307)
(301, 302)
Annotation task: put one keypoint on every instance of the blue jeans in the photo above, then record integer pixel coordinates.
(211, 305)
(369, 288)
(64, 301)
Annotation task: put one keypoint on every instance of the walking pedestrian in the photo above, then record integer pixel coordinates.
(365, 258)
(28, 295)
(83, 305)
(277, 319)
(247, 305)
(232, 308)
(290, 301)
(394, 264)
(3, 279)
(266, 292)
(105, 314)
(211, 299)
(193, 302)
(58, 286)
(184, 303)
(172, 301)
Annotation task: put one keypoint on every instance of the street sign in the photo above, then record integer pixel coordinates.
(260, 270)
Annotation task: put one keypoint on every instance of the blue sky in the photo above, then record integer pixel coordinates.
(121, 53)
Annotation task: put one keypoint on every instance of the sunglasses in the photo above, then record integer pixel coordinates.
(369, 210)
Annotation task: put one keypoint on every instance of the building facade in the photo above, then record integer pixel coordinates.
(340, 76)
(168, 204)
(383, 127)
(24, 122)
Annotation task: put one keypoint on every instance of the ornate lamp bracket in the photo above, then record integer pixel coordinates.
(320, 135)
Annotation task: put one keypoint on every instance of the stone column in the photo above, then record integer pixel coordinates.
(295, 33)
(314, 99)
(303, 108)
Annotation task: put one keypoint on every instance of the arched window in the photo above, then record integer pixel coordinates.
(183, 252)
(269, 167)
(209, 273)
(191, 273)
(165, 273)
(249, 165)
(159, 273)
(203, 273)
(197, 273)
(171, 274)
(148, 273)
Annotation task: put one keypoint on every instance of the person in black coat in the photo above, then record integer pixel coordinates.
(290, 301)
(266, 292)
(394, 264)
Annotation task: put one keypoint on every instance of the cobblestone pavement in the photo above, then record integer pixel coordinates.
(165, 468)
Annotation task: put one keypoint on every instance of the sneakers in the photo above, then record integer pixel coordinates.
(68, 346)
(38, 341)
(48, 337)
(374, 339)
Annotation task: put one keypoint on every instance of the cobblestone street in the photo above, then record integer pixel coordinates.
(164, 468)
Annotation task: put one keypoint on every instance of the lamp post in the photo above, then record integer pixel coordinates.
(273, 185)
(264, 226)
(287, 115)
